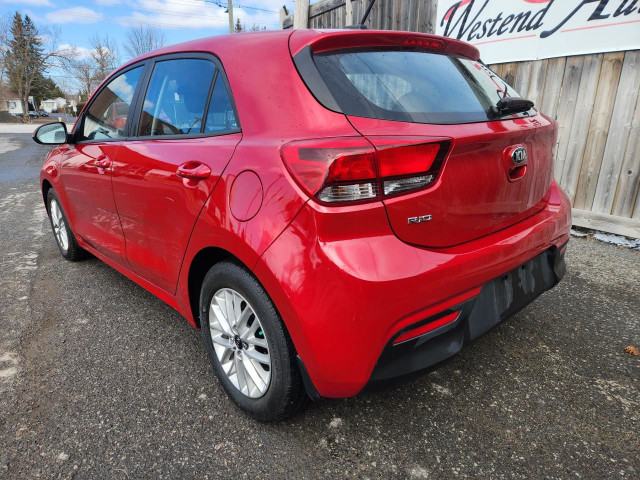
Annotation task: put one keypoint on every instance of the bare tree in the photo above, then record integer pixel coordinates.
(143, 39)
(83, 72)
(105, 55)
(26, 57)
(4, 37)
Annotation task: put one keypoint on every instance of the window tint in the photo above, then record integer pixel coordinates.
(107, 115)
(412, 86)
(176, 97)
(221, 116)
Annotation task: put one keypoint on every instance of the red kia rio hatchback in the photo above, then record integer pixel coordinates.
(331, 208)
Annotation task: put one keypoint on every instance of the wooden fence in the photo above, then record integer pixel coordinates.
(594, 99)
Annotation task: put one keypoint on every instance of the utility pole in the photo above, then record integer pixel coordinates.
(230, 8)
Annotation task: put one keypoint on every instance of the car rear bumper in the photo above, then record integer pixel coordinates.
(347, 287)
(499, 299)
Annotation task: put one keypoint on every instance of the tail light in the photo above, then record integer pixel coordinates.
(352, 169)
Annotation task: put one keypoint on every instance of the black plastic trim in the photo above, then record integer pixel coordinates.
(499, 299)
(306, 380)
(218, 72)
(310, 75)
(133, 122)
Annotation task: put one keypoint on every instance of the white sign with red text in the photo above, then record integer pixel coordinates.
(516, 30)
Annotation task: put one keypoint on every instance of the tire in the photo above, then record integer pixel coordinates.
(284, 393)
(64, 237)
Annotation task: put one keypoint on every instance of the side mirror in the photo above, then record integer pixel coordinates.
(51, 134)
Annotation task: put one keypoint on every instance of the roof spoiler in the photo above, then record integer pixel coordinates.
(322, 41)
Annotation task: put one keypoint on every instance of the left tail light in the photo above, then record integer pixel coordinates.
(353, 169)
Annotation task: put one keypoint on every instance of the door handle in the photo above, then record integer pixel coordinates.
(193, 171)
(102, 162)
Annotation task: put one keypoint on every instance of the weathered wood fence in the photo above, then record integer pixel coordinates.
(594, 99)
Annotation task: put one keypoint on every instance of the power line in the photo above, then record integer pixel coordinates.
(218, 3)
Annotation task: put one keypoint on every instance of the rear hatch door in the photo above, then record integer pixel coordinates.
(479, 188)
(498, 168)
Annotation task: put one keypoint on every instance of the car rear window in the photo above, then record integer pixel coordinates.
(411, 86)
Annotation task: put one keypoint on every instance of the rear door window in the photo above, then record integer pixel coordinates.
(176, 98)
(221, 115)
(411, 86)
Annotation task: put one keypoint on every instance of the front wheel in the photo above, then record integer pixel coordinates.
(65, 239)
(248, 345)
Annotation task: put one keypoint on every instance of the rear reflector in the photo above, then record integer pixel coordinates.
(429, 327)
(351, 169)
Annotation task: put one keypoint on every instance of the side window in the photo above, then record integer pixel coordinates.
(220, 116)
(107, 115)
(176, 97)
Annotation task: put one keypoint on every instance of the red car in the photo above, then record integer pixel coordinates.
(332, 209)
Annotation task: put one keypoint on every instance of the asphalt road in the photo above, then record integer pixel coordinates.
(99, 379)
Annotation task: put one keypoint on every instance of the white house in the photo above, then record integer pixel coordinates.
(14, 105)
(49, 105)
(53, 104)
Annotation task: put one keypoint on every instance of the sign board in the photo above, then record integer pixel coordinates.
(518, 30)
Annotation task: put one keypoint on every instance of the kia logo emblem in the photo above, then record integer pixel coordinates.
(519, 155)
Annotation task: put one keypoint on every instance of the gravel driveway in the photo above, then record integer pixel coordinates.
(99, 379)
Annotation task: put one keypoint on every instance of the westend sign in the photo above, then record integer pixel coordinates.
(515, 30)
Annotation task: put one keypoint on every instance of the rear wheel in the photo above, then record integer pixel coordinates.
(248, 346)
(65, 239)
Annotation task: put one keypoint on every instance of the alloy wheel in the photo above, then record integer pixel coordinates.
(59, 226)
(240, 343)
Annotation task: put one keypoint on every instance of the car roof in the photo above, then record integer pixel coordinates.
(218, 44)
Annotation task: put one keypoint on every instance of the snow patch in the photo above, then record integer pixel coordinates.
(8, 364)
(418, 472)
(441, 389)
(9, 145)
(38, 216)
(63, 457)
(618, 240)
(616, 392)
(27, 262)
(14, 200)
(335, 423)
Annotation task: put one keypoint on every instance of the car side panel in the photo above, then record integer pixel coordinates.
(88, 188)
(157, 208)
(245, 239)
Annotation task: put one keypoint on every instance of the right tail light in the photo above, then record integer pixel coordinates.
(355, 169)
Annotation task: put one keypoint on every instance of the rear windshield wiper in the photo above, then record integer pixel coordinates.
(510, 105)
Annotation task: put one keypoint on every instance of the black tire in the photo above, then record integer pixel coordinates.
(73, 252)
(285, 394)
